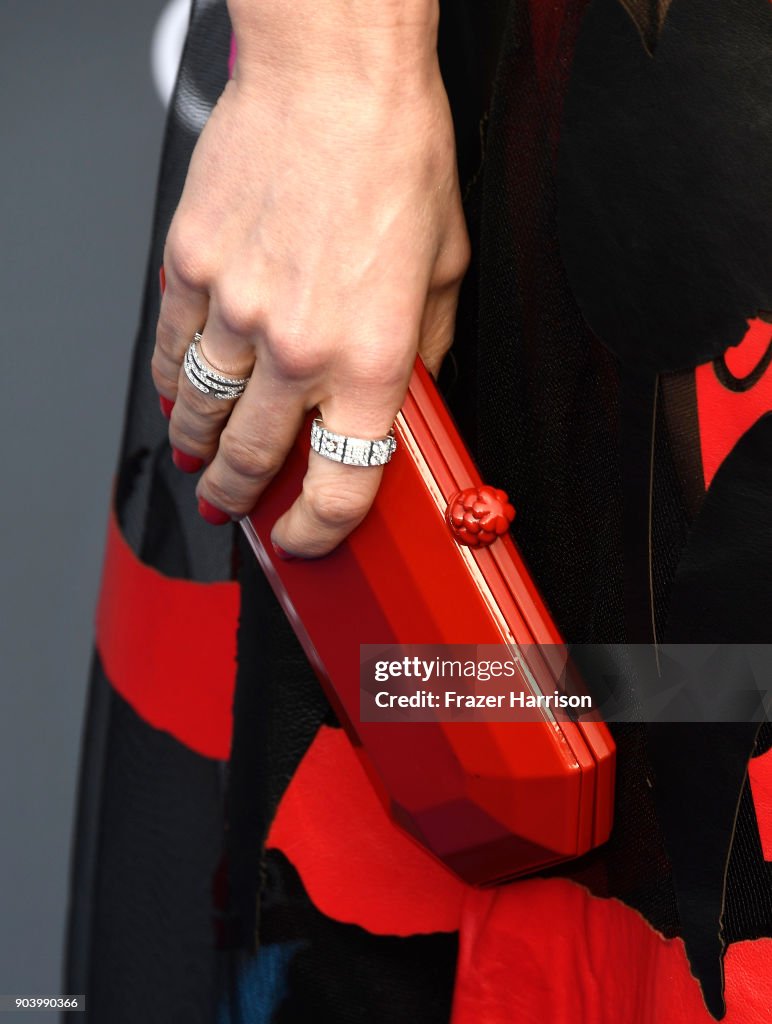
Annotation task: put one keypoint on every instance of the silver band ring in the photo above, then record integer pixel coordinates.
(207, 380)
(352, 451)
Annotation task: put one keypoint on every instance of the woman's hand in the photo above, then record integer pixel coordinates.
(319, 244)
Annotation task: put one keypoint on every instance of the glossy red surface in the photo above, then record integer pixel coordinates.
(491, 800)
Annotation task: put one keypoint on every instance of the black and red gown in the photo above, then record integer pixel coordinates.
(611, 370)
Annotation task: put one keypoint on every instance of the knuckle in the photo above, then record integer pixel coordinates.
(385, 363)
(188, 442)
(195, 424)
(458, 271)
(207, 414)
(293, 354)
(241, 314)
(453, 259)
(463, 251)
(245, 459)
(220, 495)
(167, 340)
(165, 381)
(385, 371)
(183, 435)
(462, 254)
(336, 507)
(185, 255)
(226, 493)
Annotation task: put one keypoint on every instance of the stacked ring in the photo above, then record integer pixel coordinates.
(208, 381)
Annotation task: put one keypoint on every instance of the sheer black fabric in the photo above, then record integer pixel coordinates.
(568, 428)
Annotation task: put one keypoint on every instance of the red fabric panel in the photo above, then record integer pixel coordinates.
(534, 951)
(356, 865)
(168, 646)
(725, 415)
(760, 774)
(546, 950)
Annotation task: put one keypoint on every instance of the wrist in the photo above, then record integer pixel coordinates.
(367, 42)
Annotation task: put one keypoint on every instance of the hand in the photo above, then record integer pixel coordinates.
(319, 244)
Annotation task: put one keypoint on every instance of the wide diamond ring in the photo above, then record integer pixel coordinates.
(207, 380)
(352, 451)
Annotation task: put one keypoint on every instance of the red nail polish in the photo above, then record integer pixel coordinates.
(162, 278)
(187, 463)
(213, 515)
(166, 406)
(284, 555)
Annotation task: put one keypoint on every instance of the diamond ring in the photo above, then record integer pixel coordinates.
(352, 451)
(207, 380)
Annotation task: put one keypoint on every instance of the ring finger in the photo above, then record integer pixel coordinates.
(254, 444)
(198, 418)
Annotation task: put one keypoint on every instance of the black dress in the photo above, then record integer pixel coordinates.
(230, 865)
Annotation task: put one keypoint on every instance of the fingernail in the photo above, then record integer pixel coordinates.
(187, 463)
(212, 514)
(284, 555)
(162, 278)
(166, 406)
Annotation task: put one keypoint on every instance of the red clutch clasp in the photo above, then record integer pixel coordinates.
(478, 515)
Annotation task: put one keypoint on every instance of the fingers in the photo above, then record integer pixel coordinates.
(334, 501)
(253, 445)
(335, 498)
(183, 311)
(198, 419)
(247, 441)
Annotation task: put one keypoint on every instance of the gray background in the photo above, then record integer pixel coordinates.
(81, 132)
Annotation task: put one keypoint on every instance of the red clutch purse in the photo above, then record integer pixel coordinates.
(491, 799)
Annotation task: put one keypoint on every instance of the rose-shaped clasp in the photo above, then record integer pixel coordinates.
(478, 515)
